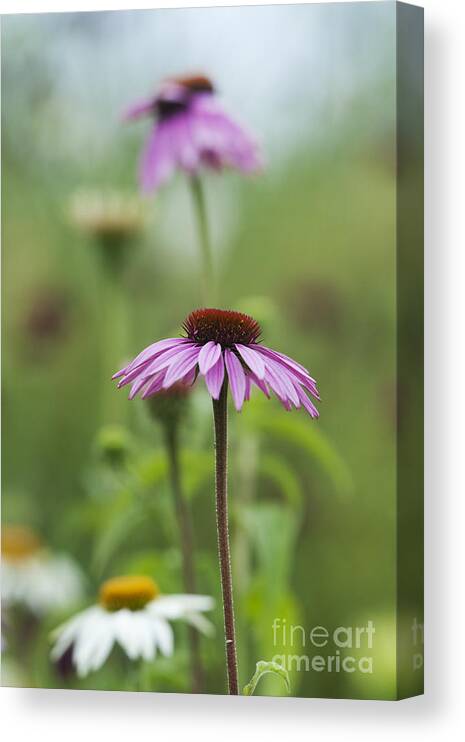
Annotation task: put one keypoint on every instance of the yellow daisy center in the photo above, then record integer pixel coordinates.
(19, 542)
(132, 592)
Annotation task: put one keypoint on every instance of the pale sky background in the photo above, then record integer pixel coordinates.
(290, 71)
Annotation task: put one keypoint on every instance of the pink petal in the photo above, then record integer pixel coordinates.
(305, 382)
(281, 357)
(137, 371)
(219, 136)
(300, 378)
(214, 378)
(276, 384)
(136, 387)
(164, 359)
(285, 379)
(187, 155)
(158, 158)
(299, 372)
(308, 404)
(151, 350)
(253, 360)
(260, 384)
(190, 377)
(236, 378)
(155, 384)
(119, 373)
(139, 109)
(208, 356)
(181, 366)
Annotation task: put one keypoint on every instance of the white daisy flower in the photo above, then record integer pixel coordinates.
(133, 614)
(35, 577)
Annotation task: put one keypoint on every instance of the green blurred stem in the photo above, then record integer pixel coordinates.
(247, 464)
(184, 519)
(220, 414)
(114, 344)
(209, 278)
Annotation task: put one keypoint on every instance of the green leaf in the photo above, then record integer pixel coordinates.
(152, 469)
(261, 669)
(124, 517)
(283, 476)
(301, 432)
(273, 530)
(164, 566)
(196, 468)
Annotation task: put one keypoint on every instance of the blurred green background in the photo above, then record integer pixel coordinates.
(307, 247)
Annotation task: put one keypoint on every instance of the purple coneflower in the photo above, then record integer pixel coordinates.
(191, 132)
(224, 347)
(219, 344)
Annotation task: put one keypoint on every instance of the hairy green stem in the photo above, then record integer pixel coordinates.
(220, 413)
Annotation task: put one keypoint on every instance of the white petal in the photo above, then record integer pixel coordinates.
(103, 650)
(125, 627)
(176, 606)
(133, 632)
(148, 644)
(164, 636)
(96, 628)
(42, 582)
(65, 634)
(64, 641)
(201, 623)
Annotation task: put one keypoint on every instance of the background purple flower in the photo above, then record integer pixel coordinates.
(220, 343)
(191, 132)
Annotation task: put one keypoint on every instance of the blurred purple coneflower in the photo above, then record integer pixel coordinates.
(220, 343)
(191, 132)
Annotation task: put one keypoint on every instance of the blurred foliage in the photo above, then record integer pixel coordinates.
(312, 254)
